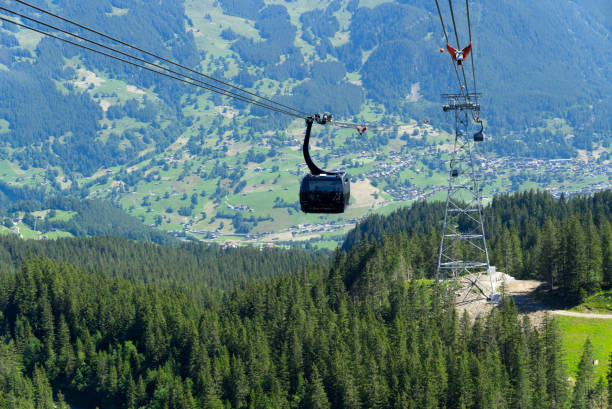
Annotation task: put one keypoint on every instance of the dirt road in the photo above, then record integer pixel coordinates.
(521, 291)
(583, 314)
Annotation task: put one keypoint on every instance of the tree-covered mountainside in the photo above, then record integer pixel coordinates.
(58, 123)
(288, 342)
(87, 217)
(566, 242)
(192, 266)
(523, 60)
(108, 322)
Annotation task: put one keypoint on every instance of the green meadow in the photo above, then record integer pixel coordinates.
(575, 331)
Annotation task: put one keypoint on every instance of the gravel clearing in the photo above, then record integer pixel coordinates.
(470, 299)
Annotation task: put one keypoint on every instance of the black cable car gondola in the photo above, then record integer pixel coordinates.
(478, 136)
(322, 191)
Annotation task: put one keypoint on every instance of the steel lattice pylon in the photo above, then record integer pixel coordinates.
(463, 255)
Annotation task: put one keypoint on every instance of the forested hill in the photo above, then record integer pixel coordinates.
(193, 266)
(127, 324)
(43, 104)
(517, 210)
(566, 242)
(88, 217)
(70, 109)
(288, 342)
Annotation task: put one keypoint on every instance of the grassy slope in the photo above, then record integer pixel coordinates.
(575, 331)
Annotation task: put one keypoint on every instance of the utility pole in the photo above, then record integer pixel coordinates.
(463, 255)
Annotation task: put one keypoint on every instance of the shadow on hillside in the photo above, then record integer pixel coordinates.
(552, 299)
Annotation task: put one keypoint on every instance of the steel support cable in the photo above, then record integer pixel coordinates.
(226, 92)
(463, 91)
(340, 124)
(442, 21)
(159, 57)
(450, 4)
(244, 99)
(175, 64)
(467, 7)
(380, 128)
(179, 76)
(447, 42)
(205, 85)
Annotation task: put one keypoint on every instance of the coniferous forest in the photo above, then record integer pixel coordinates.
(84, 325)
(565, 242)
(293, 341)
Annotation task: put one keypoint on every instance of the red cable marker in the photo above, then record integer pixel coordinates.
(459, 55)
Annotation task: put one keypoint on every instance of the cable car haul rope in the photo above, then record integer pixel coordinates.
(159, 69)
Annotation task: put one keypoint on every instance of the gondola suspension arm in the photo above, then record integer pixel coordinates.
(320, 119)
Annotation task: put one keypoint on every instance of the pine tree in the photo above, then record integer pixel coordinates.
(556, 378)
(585, 378)
(350, 398)
(606, 258)
(67, 360)
(316, 398)
(539, 398)
(593, 249)
(505, 251)
(240, 386)
(131, 397)
(548, 253)
(141, 390)
(43, 395)
(47, 329)
(599, 397)
(462, 382)
(517, 253)
(573, 277)
(297, 400)
(523, 388)
(211, 398)
(61, 401)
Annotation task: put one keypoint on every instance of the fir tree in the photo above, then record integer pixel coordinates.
(316, 398)
(556, 377)
(585, 378)
(574, 274)
(548, 253)
(593, 249)
(43, 394)
(606, 258)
